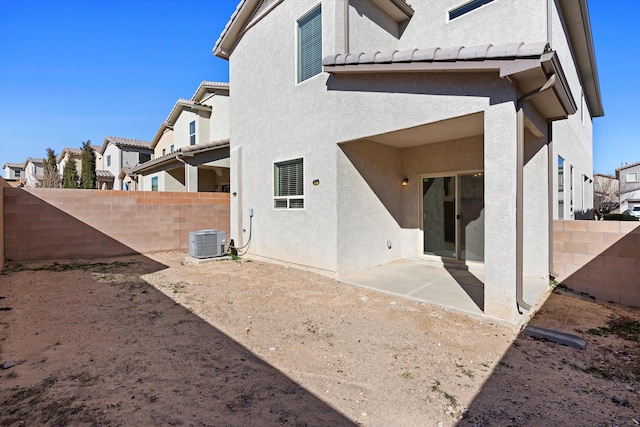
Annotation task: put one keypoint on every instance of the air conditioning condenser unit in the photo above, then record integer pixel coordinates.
(207, 243)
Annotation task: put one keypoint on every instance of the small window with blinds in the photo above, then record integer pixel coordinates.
(310, 45)
(288, 188)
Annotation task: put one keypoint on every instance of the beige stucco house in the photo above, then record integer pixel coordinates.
(104, 179)
(191, 147)
(369, 131)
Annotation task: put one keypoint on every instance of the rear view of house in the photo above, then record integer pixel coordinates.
(368, 131)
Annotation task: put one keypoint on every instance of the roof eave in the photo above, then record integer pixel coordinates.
(576, 13)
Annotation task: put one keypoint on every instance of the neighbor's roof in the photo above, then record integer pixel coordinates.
(33, 160)
(206, 87)
(124, 172)
(72, 151)
(178, 107)
(193, 149)
(249, 12)
(104, 174)
(632, 165)
(124, 142)
(13, 165)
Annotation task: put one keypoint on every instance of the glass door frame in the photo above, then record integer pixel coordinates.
(456, 175)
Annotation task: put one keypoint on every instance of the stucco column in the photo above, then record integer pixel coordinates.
(191, 178)
(500, 165)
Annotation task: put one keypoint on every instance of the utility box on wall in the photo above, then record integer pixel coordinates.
(207, 243)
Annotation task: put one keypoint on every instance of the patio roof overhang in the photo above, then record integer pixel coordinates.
(177, 156)
(528, 66)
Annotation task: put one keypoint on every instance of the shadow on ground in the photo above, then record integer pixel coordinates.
(106, 348)
(540, 383)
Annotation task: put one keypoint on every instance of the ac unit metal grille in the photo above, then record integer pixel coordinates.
(207, 243)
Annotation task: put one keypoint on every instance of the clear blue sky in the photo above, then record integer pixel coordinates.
(72, 70)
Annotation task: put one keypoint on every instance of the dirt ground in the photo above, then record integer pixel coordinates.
(154, 341)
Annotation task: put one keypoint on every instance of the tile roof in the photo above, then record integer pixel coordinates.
(208, 86)
(104, 174)
(124, 142)
(33, 160)
(437, 54)
(190, 148)
(13, 165)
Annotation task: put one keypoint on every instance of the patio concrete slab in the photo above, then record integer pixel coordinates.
(454, 286)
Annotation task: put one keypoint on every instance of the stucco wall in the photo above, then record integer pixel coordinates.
(61, 223)
(219, 123)
(115, 166)
(165, 142)
(572, 138)
(600, 258)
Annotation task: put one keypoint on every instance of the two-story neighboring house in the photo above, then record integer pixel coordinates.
(104, 178)
(118, 153)
(629, 177)
(33, 172)
(13, 171)
(368, 131)
(191, 147)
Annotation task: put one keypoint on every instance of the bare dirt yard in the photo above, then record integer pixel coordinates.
(154, 341)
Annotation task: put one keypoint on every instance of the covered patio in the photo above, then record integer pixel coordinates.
(451, 285)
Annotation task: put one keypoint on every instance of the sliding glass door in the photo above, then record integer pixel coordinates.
(453, 216)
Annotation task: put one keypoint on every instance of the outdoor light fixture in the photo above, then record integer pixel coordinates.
(405, 182)
(316, 182)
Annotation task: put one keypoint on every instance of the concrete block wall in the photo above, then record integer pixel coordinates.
(63, 223)
(3, 185)
(600, 258)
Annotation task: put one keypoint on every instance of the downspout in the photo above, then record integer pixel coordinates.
(346, 26)
(519, 190)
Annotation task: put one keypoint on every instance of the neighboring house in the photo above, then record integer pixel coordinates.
(118, 153)
(14, 171)
(629, 176)
(104, 179)
(191, 147)
(606, 194)
(33, 172)
(368, 131)
(70, 153)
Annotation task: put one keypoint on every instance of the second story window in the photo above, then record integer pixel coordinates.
(310, 45)
(632, 176)
(108, 160)
(172, 148)
(192, 133)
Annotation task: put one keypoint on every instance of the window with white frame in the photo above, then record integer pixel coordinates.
(310, 45)
(288, 185)
(192, 133)
(172, 148)
(154, 183)
(109, 160)
(632, 176)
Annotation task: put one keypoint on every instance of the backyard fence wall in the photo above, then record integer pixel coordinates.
(600, 258)
(3, 184)
(63, 223)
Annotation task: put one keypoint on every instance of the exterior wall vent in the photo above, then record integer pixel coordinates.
(207, 243)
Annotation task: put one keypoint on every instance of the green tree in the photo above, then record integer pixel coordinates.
(70, 173)
(88, 166)
(51, 178)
